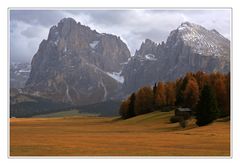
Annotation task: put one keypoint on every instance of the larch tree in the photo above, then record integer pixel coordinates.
(201, 79)
(160, 96)
(123, 111)
(144, 101)
(170, 93)
(191, 93)
(180, 88)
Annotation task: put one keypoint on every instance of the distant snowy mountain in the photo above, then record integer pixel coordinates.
(19, 73)
(201, 40)
(190, 47)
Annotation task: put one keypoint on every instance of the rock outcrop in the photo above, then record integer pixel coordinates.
(77, 65)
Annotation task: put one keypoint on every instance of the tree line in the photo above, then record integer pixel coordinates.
(208, 95)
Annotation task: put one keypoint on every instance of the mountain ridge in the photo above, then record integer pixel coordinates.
(79, 65)
(188, 48)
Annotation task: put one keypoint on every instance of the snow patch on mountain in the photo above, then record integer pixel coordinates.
(201, 40)
(93, 44)
(124, 63)
(117, 76)
(24, 71)
(105, 90)
(150, 57)
(56, 42)
(65, 49)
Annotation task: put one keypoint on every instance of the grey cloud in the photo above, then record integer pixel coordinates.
(133, 26)
(105, 17)
(153, 34)
(37, 17)
(32, 32)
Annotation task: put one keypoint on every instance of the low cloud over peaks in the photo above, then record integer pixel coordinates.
(29, 27)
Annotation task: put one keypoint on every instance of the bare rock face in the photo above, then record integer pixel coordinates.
(76, 64)
(190, 47)
(81, 66)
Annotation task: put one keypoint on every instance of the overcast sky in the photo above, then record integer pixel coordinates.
(29, 27)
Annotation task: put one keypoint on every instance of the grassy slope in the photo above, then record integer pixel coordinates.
(63, 114)
(145, 135)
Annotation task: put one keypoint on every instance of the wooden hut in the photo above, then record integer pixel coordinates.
(184, 112)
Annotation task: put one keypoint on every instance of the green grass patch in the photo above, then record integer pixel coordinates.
(156, 116)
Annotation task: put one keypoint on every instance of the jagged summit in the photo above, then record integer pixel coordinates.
(190, 47)
(146, 46)
(77, 65)
(67, 20)
(201, 40)
(186, 25)
(148, 41)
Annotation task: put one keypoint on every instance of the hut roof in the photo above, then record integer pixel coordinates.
(184, 109)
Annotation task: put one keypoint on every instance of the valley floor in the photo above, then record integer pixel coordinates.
(146, 135)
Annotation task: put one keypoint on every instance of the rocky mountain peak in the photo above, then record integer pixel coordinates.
(146, 47)
(149, 42)
(79, 65)
(63, 28)
(188, 25)
(76, 64)
(67, 20)
(199, 39)
(190, 47)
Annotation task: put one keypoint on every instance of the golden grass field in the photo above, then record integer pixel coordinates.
(145, 135)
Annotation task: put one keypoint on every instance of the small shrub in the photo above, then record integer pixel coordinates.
(183, 123)
(175, 119)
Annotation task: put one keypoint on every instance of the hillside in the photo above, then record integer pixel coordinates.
(145, 135)
(106, 109)
(23, 105)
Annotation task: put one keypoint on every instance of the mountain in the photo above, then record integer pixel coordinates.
(19, 73)
(189, 48)
(77, 65)
(81, 66)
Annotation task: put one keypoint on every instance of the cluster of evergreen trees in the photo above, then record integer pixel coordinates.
(208, 95)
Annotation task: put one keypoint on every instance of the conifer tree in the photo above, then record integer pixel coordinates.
(154, 94)
(132, 99)
(123, 111)
(221, 95)
(228, 96)
(182, 83)
(207, 107)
